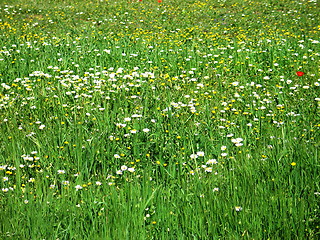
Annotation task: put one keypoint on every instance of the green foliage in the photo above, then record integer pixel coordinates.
(159, 120)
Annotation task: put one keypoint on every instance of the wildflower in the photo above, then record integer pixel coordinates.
(61, 171)
(237, 141)
(98, 183)
(78, 187)
(293, 164)
(134, 131)
(238, 208)
(200, 154)
(146, 130)
(31, 180)
(215, 189)
(131, 169)
(124, 168)
(212, 161)
(299, 73)
(193, 156)
(136, 116)
(65, 182)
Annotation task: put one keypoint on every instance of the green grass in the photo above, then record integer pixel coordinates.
(147, 120)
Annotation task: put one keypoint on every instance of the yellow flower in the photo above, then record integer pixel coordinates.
(293, 164)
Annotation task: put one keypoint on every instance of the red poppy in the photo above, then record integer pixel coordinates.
(299, 73)
(159, 1)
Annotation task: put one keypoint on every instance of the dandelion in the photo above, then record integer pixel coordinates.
(293, 164)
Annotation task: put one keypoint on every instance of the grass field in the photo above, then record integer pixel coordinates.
(195, 119)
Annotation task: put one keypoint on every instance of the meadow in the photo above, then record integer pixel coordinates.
(195, 119)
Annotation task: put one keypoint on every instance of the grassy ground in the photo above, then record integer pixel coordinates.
(159, 119)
